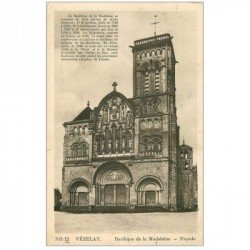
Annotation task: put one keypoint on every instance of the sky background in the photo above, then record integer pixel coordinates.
(77, 82)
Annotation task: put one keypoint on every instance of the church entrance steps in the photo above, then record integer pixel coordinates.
(147, 209)
(114, 209)
(78, 209)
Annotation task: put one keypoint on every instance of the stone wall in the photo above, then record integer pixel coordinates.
(188, 180)
(188, 190)
(138, 170)
(76, 135)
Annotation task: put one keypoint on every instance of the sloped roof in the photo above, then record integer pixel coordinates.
(185, 146)
(84, 115)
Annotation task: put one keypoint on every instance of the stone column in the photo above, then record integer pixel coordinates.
(99, 194)
(138, 198)
(136, 137)
(102, 195)
(92, 201)
(143, 198)
(76, 199)
(157, 197)
(70, 199)
(127, 194)
(114, 187)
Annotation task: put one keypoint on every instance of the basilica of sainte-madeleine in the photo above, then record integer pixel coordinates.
(125, 154)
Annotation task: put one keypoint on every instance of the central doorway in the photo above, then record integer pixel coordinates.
(115, 195)
(112, 185)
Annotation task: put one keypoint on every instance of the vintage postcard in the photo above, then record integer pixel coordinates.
(125, 123)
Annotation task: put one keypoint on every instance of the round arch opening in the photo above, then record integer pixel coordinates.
(149, 192)
(79, 193)
(112, 181)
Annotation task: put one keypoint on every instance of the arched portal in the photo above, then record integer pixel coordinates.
(148, 191)
(79, 193)
(112, 181)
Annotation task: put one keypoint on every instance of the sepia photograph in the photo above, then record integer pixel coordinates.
(125, 124)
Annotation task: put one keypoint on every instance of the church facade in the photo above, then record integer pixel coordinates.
(125, 154)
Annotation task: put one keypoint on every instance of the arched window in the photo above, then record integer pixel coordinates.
(149, 123)
(79, 150)
(155, 104)
(145, 146)
(84, 151)
(130, 143)
(146, 108)
(150, 146)
(156, 146)
(120, 138)
(116, 144)
(127, 139)
(146, 82)
(143, 124)
(109, 145)
(75, 130)
(99, 123)
(156, 123)
(80, 130)
(113, 135)
(123, 144)
(86, 130)
(157, 80)
(101, 145)
(163, 52)
(75, 150)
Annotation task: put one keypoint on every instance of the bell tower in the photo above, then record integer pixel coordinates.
(153, 66)
(154, 103)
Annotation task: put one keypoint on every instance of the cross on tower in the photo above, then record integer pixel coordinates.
(114, 85)
(155, 23)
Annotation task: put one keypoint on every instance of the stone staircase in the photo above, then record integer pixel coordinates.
(149, 209)
(114, 209)
(78, 210)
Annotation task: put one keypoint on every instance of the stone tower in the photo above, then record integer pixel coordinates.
(187, 179)
(154, 98)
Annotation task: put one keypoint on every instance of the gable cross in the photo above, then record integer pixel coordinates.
(114, 85)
